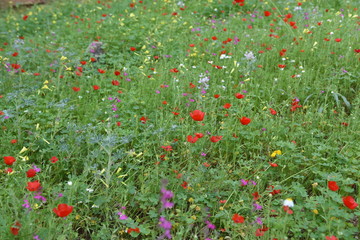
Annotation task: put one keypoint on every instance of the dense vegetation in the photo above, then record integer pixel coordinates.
(161, 119)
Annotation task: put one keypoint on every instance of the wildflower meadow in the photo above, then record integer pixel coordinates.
(180, 119)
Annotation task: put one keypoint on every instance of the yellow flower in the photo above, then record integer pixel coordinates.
(315, 211)
(277, 152)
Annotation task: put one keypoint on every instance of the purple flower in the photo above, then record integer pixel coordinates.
(259, 221)
(257, 206)
(244, 182)
(210, 225)
(36, 168)
(122, 216)
(39, 197)
(26, 204)
(166, 225)
(165, 196)
(167, 193)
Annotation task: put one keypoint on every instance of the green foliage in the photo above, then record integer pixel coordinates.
(120, 125)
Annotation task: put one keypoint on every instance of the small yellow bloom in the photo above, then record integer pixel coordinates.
(277, 152)
(315, 211)
(24, 149)
(35, 206)
(63, 58)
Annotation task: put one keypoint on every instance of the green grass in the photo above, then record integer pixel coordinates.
(118, 144)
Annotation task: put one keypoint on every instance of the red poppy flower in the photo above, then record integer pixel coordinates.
(54, 159)
(256, 196)
(174, 70)
(133, 230)
(167, 148)
(83, 62)
(192, 139)
(273, 164)
(63, 210)
(9, 160)
(331, 238)
(332, 185)
(8, 170)
(33, 186)
(216, 96)
(274, 191)
(272, 111)
(197, 115)
(227, 106)
(184, 185)
(15, 54)
(357, 50)
(115, 82)
(205, 164)
(267, 13)
(76, 89)
(350, 202)
(199, 135)
(25, 17)
(245, 120)
(239, 95)
(101, 70)
(13, 141)
(338, 39)
(117, 73)
(237, 218)
(260, 231)
(288, 210)
(31, 173)
(15, 66)
(133, 49)
(215, 138)
(281, 65)
(14, 229)
(143, 120)
(96, 87)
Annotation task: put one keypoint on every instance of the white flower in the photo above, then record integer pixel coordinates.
(69, 183)
(89, 190)
(249, 56)
(288, 202)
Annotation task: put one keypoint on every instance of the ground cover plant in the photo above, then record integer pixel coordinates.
(163, 119)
